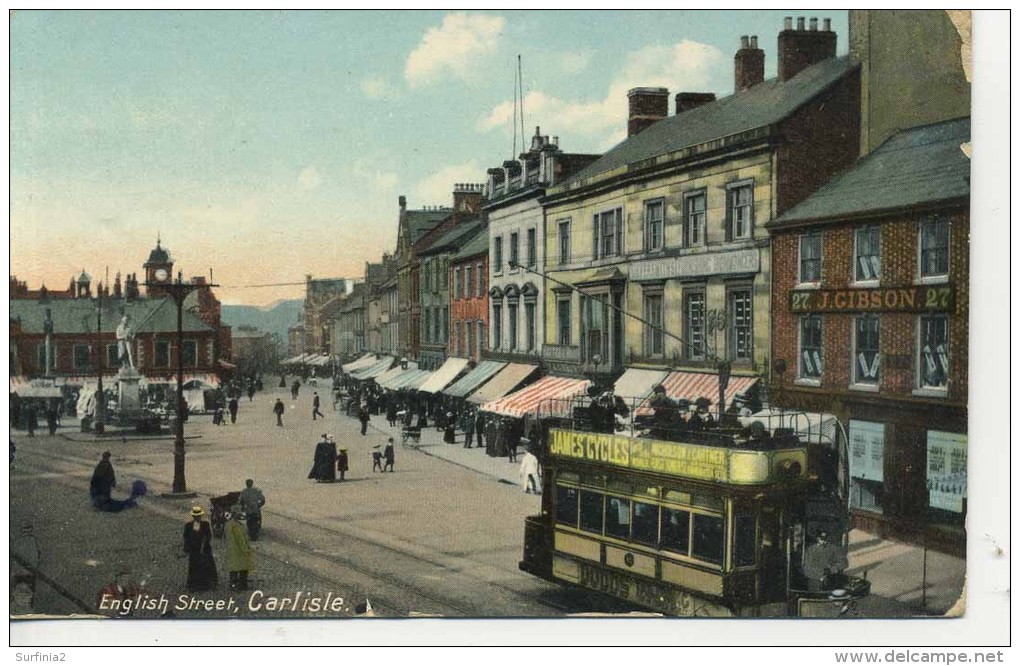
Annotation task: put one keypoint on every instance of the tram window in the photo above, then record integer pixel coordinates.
(646, 524)
(597, 480)
(566, 506)
(708, 538)
(569, 477)
(676, 530)
(744, 539)
(617, 517)
(707, 502)
(678, 497)
(591, 511)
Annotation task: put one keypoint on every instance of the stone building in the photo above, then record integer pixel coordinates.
(314, 318)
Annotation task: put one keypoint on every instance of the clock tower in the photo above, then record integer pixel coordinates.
(158, 269)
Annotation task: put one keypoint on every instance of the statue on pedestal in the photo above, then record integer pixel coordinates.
(125, 337)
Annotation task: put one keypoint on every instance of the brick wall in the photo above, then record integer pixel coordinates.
(470, 307)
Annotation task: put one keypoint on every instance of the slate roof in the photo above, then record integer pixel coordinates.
(477, 245)
(765, 104)
(420, 222)
(78, 316)
(919, 166)
(453, 239)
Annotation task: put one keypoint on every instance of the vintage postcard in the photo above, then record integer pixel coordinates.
(294, 335)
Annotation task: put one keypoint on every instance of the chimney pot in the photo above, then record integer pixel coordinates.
(788, 23)
(743, 42)
(814, 23)
(556, 141)
(748, 65)
(800, 49)
(827, 25)
(754, 41)
(800, 23)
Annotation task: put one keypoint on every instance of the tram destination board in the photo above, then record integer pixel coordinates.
(647, 455)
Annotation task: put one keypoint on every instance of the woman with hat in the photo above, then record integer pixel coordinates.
(342, 463)
(198, 548)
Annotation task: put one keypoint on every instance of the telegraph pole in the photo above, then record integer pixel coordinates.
(100, 426)
(179, 290)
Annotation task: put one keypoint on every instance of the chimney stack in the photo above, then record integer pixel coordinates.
(748, 64)
(686, 101)
(647, 106)
(800, 48)
(402, 200)
(468, 197)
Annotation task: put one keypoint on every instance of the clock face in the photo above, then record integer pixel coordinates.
(161, 274)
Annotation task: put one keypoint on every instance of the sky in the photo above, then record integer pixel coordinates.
(267, 145)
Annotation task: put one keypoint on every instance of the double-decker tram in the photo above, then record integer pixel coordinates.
(686, 516)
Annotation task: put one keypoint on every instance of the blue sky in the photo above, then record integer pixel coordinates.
(268, 144)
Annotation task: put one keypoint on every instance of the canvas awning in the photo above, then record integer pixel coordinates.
(506, 380)
(374, 370)
(411, 379)
(393, 373)
(31, 391)
(320, 360)
(444, 375)
(635, 384)
(694, 385)
(481, 373)
(549, 396)
(362, 362)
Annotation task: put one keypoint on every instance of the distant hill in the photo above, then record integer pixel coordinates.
(275, 318)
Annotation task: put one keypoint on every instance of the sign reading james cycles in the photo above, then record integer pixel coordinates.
(882, 299)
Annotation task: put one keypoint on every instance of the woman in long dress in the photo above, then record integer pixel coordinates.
(198, 548)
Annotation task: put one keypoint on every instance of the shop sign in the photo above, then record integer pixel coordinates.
(947, 470)
(892, 299)
(867, 442)
(705, 264)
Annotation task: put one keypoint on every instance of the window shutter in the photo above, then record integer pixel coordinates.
(729, 215)
(595, 237)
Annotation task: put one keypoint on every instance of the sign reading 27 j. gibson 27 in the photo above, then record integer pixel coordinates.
(922, 298)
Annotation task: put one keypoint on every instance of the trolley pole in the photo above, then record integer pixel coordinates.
(179, 291)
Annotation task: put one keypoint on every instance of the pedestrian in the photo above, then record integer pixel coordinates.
(252, 500)
(31, 420)
(450, 428)
(364, 418)
(315, 406)
(323, 461)
(388, 454)
(479, 429)
(295, 388)
(468, 426)
(240, 556)
(232, 408)
(103, 482)
(342, 463)
(279, 409)
(377, 460)
(217, 418)
(198, 548)
(530, 473)
(251, 392)
(51, 420)
(391, 413)
(513, 438)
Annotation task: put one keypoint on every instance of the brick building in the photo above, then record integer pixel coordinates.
(870, 308)
(412, 226)
(469, 297)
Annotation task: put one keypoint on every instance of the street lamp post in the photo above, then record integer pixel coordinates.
(179, 291)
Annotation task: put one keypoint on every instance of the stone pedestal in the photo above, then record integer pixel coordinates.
(129, 407)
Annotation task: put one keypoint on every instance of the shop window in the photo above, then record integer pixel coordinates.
(80, 357)
(707, 538)
(566, 506)
(810, 258)
(810, 347)
(947, 475)
(933, 352)
(694, 324)
(645, 529)
(867, 461)
(867, 254)
(741, 325)
(676, 530)
(161, 355)
(745, 539)
(934, 247)
(739, 210)
(654, 221)
(591, 511)
(618, 517)
(654, 336)
(695, 211)
(563, 320)
(564, 238)
(866, 350)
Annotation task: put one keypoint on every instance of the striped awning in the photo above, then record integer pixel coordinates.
(694, 385)
(362, 362)
(481, 373)
(444, 375)
(549, 396)
(373, 370)
(411, 379)
(506, 380)
(394, 372)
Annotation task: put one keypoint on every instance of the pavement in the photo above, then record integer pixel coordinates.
(441, 535)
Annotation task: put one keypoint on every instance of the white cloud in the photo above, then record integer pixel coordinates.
(685, 66)
(437, 189)
(574, 62)
(309, 179)
(456, 47)
(375, 87)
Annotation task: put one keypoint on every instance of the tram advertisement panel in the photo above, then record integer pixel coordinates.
(648, 455)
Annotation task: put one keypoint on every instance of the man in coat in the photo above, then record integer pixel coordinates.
(252, 500)
(364, 418)
(279, 409)
(232, 408)
(240, 556)
(342, 463)
(315, 406)
(468, 426)
(529, 472)
(103, 481)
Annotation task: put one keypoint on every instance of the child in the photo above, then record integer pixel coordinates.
(376, 461)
